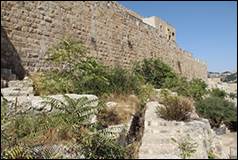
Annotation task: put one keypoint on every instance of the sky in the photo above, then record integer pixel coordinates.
(208, 29)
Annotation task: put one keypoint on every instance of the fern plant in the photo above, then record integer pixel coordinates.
(77, 111)
(16, 152)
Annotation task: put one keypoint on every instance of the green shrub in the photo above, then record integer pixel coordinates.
(175, 108)
(218, 93)
(196, 88)
(177, 84)
(68, 52)
(217, 110)
(154, 71)
(124, 81)
(100, 146)
(92, 77)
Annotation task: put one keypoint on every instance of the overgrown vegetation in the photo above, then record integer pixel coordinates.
(79, 73)
(71, 122)
(175, 107)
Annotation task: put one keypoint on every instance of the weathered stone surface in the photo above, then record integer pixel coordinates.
(158, 133)
(18, 88)
(111, 33)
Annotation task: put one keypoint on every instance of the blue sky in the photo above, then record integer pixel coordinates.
(207, 29)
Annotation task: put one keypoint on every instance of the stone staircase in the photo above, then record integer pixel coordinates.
(157, 139)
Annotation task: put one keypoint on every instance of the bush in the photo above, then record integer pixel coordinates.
(124, 81)
(216, 110)
(154, 71)
(177, 84)
(100, 146)
(196, 88)
(52, 83)
(216, 92)
(175, 108)
(91, 77)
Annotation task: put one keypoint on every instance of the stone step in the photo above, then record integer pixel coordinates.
(158, 149)
(17, 91)
(20, 84)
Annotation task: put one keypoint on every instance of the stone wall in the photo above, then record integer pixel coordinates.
(112, 34)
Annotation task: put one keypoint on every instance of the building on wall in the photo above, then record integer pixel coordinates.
(110, 32)
(165, 29)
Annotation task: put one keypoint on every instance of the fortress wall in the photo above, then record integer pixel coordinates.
(111, 33)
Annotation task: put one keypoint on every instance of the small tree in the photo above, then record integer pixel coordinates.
(217, 110)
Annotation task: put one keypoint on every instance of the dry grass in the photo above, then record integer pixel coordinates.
(122, 112)
(176, 108)
(37, 83)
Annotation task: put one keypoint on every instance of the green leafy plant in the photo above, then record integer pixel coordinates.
(217, 110)
(186, 146)
(124, 81)
(154, 71)
(196, 88)
(17, 152)
(216, 92)
(77, 111)
(100, 146)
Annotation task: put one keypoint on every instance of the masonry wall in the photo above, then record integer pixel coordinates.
(112, 34)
